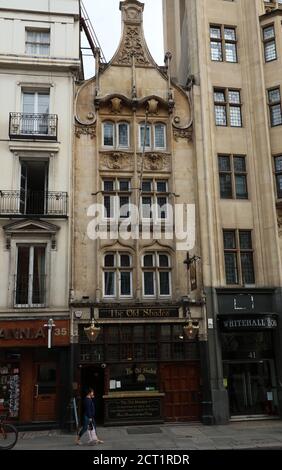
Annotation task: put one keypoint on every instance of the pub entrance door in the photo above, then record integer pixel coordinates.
(45, 391)
(93, 377)
(181, 385)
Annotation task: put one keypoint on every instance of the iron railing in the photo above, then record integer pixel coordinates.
(29, 125)
(30, 290)
(33, 203)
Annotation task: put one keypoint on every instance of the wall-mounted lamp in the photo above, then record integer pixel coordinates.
(92, 332)
(191, 327)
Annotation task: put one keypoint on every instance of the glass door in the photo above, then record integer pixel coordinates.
(251, 387)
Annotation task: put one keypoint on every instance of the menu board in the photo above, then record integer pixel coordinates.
(10, 389)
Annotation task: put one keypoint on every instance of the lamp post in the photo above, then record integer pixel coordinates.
(50, 325)
(92, 332)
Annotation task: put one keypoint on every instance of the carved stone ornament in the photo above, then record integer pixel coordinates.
(153, 106)
(85, 130)
(155, 162)
(132, 45)
(186, 133)
(116, 161)
(116, 105)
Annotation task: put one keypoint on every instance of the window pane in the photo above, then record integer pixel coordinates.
(38, 285)
(219, 96)
(125, 283)
(230, 34)
(149, 285)
(220, 115)
(216, 51)
(125, 261)
(225, 186)
(215, 32)
(148, 261)
(276, 115)
(124, 206)
(279, 185)
(245, 240)
(108, 207)
(159, 136)
(142, 136)
(109, 260)
(123, 135)
(22, 275)
(274, 95)
(224, 163)
(164, 283)
(124, 185)
(230, 52)
(161, 186)
(235, 116)
(108, 185)
(163, 261)
(108, 134)
(247, 268)
(278, 163)
(239, 164)
(162, 207)
(268, 32)
(109, 278)
(234, 97)
(146, 207)
(231, 268)
(270, 51)
(147, 186)
(241, 186)
(229, 240)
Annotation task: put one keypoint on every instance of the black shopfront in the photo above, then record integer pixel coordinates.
(142, 366)
(248, 326)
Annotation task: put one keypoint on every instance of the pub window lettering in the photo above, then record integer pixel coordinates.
(238, 255)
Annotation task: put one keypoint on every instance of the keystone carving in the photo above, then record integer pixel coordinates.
(186, 133)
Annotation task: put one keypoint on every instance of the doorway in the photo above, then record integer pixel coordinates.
(34, 187)
(45, 391)
(181, 385)
(251, 388)
(93, 377)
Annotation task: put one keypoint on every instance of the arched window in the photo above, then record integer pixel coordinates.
(116, 135)
(117, 275)
(156, 267)
(155, 138)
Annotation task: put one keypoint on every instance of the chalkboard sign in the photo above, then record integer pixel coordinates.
(119, 410)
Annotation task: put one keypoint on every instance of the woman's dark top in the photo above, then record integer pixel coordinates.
(89, 407)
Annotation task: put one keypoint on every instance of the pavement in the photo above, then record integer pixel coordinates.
(178, 437)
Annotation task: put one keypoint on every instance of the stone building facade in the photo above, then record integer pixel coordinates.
(231, 52)
(134, 145)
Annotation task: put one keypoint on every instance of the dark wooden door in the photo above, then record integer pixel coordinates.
(181, 385)
(45, 392)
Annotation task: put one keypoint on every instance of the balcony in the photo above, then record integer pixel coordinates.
(51, 204)
(33, 126)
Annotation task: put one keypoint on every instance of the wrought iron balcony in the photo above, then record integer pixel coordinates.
(33, 126)
(33, 203)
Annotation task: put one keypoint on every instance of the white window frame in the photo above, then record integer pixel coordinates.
(37, 44)
(156, 269)
(154, 195)
(117, 269)
(31, 246)
(116, 143)
(152, 134)
(115, 196)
